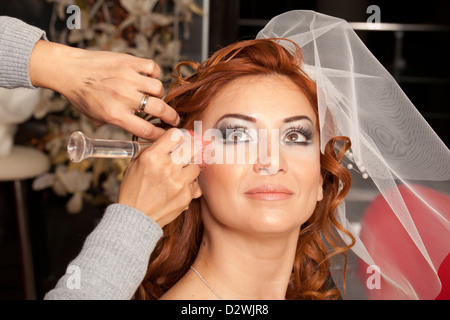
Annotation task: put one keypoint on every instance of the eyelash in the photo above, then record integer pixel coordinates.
(306, 133)
(231, 129)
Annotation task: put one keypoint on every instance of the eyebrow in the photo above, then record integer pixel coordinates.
(236, 115)
(251, 119)
(296, 118)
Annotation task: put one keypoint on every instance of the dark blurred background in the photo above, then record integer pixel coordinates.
(415, 54)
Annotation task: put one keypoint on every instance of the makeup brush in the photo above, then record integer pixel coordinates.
(81, 147)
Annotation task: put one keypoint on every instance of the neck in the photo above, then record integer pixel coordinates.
(238, 265)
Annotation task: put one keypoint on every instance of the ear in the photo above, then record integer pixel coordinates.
(320, 189)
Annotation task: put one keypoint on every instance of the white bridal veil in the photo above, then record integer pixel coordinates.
(399, 205)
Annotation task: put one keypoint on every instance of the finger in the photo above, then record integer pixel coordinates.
(152, 86)
(187, 152)
(190, 151)
(197, 193)
(146, 66)
(140, 127)
(170, 140)
(158, 108)
(195, 154)
(190, 173)
(191, 187)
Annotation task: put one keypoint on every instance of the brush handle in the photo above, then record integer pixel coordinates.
(81, 147)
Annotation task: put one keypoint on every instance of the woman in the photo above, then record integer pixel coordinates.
(275, 226)
(249, 229)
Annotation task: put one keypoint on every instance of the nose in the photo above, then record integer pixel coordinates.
(269, 160)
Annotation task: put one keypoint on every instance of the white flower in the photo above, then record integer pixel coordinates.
(48, 103)
(64, 182)
(17, 105)
(138, 7)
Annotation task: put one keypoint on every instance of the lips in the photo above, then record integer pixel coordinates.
(269, 192)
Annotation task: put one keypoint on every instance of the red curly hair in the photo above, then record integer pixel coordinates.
(190, 96)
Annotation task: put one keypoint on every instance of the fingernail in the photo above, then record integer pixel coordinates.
(178, 121)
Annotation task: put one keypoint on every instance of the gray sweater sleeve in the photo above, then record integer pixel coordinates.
(113, 260)
(17, 40)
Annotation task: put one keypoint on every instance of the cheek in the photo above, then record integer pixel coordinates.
(220, 184)
(218, 181)
(305, 169)
(207, 179)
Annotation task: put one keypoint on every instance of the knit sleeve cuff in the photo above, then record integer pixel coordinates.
(114, 257)
(17, 40)
(123, 220)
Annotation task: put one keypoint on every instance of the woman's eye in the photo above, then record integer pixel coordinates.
(296, 137)
(237, 135)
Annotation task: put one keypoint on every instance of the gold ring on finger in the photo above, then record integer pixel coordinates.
(143, 103)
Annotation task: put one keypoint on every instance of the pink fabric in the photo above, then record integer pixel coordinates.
(398, 257)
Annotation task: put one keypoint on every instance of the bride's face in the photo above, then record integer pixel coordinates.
(272, 194)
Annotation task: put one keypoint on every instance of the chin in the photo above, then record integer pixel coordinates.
(274, 223)
(256, 218)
